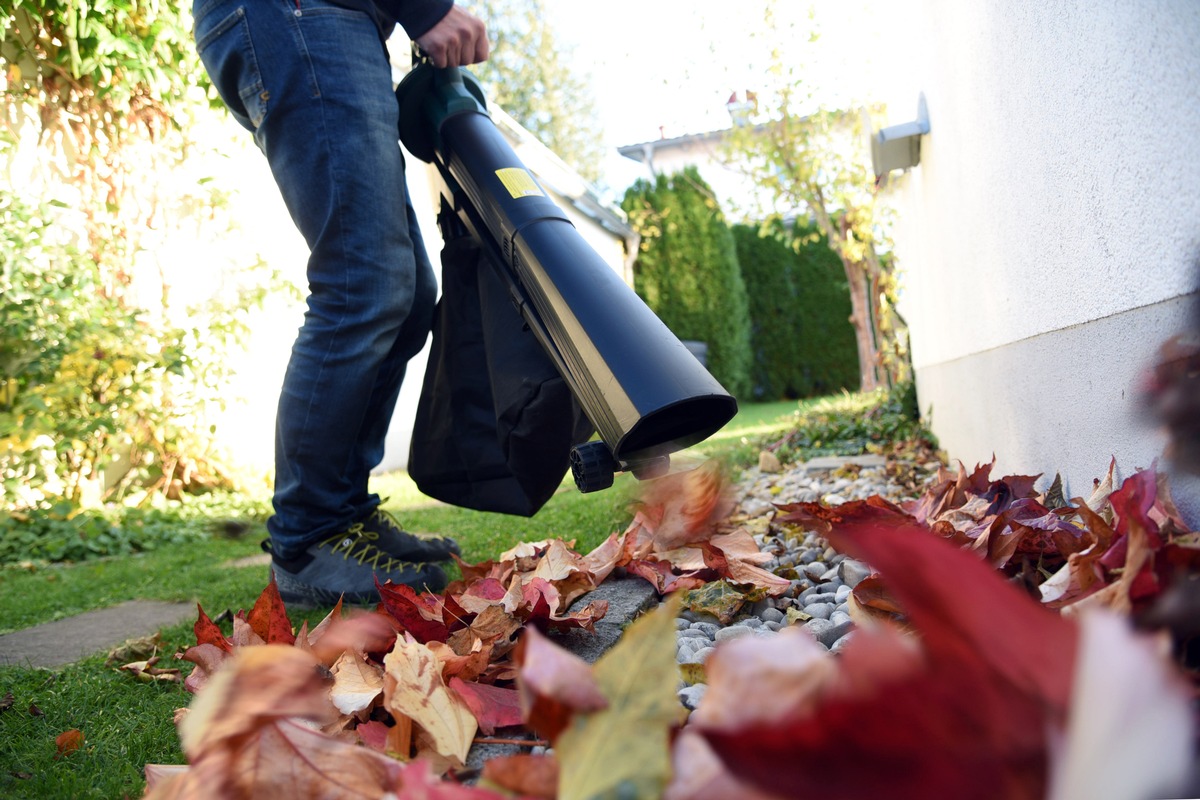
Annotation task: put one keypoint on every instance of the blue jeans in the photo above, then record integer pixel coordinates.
(312, 82)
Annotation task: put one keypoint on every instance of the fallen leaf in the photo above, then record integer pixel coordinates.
(157, 774)
(147, 671)
(139, 649)
(623, 750)
(207, 632)
(493, 706)
(603, 560)
(7, 702)
(356, 685)
(553, 685)
(268, 618)
(286, 758)
(1130, 730)
(754, 678)
(966, 715)
(68, 742)
(420, 614)
(468, 666)
(247, 735)
(699, 775)
(421, 783)
(413, 688)
(374, 734)
(257, 683)
(719, 598)
(208, 658)
(523, 774)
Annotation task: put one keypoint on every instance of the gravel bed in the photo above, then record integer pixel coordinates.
(821, 578)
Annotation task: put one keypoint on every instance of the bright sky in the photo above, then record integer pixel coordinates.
(674, 63)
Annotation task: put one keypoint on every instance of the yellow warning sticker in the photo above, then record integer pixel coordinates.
(519, 182)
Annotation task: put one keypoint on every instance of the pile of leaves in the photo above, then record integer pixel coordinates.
(1121, 548)
(996, 696)
(421, 675)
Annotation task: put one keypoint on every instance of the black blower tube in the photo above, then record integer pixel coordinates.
(642, 389)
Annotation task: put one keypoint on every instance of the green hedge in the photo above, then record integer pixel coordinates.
(687, 271)
(801, 337)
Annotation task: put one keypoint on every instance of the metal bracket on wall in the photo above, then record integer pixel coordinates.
(899, 146)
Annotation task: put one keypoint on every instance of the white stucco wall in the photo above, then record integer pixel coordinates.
(1050, 238)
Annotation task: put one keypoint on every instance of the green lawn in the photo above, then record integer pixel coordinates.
(127, 724)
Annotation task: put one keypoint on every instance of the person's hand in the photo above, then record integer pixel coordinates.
(458, 39)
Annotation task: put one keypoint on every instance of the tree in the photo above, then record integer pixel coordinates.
(800, 335)
(528, 76)
(687, 271)
(811, 160)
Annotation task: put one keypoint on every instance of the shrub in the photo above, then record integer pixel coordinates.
(687, 271)
(850, 424)
(801, 338)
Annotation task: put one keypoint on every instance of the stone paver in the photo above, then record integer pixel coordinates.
(55, 644)
(627, 597)
(833, 462)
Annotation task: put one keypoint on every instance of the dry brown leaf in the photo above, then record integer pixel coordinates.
(357, 684)
(413, 688)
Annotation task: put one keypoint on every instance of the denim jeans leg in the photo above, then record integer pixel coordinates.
(312, 81)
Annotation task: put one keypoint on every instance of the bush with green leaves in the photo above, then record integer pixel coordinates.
(63, 533)
(687, 271)
(79, 370)
(800, 333)
(98, 101)
(850, 424)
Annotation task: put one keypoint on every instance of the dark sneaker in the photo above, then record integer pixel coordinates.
(346, 565)
(403, 544)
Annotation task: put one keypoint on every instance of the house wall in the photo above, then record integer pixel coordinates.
(1050, 238)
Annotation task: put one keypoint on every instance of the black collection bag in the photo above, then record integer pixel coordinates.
(495, 422)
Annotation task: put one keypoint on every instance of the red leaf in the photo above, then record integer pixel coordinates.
(481, 594)
(493, 706)
(553, 684)
(662, 575)
(207, 632)
(269, 618)
(965, 609)
(208, 658)
(419, 614)
(373, 734)
(970, 722)
(68, 742)
(526, 775)
(421, 784)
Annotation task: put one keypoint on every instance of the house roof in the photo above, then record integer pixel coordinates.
(644, 151)
(562, 179)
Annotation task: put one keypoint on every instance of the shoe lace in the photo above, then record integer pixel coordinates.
(356, 542)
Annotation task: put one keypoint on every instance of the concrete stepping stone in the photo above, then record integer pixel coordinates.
(58, 643)
(826, 463)
(627, 597)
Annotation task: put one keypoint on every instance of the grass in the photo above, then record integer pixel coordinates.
(128, 724)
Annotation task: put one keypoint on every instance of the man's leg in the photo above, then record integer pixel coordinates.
(313, 83)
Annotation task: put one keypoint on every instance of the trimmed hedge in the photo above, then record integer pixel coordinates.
(802, 341)
(687, 271)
